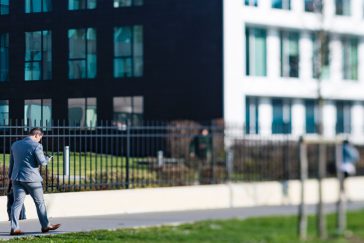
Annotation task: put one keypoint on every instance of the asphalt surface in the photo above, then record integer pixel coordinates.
(78, 224)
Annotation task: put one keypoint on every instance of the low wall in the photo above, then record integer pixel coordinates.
(188, 198)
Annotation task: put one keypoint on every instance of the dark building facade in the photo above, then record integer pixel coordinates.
(87, 61)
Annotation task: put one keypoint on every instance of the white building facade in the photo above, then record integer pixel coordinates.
(271, 59)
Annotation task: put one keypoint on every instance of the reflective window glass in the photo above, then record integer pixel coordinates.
(128, 51)
(128, 109)
(289, 54)
(253, 3)
(313, 6)
(343, 7)
(311, 116)
(281, 116)
(256, 51)
(81, 4)
(82, 59)
(127, 3)
(38, 55)
(38, 6)
(321, 56)
(343, 117)
(4, 112)
(4, 57)
(4, 7)
(350, 58)
(82, 112)
(281, 4)
(38, 112)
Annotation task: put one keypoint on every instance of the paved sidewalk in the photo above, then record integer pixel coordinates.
(77, 224)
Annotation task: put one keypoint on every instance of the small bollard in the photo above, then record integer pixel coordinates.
(160, 158)
(66, 161)
(230, 163)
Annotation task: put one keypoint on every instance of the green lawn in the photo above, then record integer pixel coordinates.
(91, 171)
(91, 164)
(254, 230)
(88, 169)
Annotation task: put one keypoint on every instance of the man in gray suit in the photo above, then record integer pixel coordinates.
(25, 158)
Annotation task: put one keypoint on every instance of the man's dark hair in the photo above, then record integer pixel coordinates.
(36, 131)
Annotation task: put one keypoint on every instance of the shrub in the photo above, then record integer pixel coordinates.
(212, 174)
(175, 175)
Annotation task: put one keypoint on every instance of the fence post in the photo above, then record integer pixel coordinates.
(303, 177)
(321, 223)
(230, 163)
(213, 171)
(127, 178)
(230, 170)
(287, 160)
(341, 204)
(160, 158)
(66, 160)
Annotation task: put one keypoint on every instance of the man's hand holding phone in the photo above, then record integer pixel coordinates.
(48, 156)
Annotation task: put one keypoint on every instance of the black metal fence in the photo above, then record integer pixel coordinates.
(160, 154)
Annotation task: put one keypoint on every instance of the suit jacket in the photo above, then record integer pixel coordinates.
(25, 158)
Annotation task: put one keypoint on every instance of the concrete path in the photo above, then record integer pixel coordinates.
(77, 224)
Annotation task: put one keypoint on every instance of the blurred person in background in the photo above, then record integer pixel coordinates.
(350, 157)
(201, 146)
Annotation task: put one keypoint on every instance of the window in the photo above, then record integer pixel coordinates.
(4, 7)
(38, 112)
(256, 52)
(313, 6)
(289, 54)
(343, 117)
(4, 112)
(281, 4)
(38, 6)
(128, 51)
(311, 116)
(127, 109)
(281, 116)
(38, 55)
(343, 7)
(127, 3)
(321, 56)
(4, 57)
(251, 116)
(350, 58)
(82, 53)
(82, 112)
(251, 3)
(81, 4)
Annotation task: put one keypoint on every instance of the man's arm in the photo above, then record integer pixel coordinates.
(39, 154)
(11, 164)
